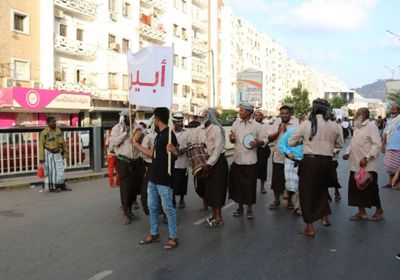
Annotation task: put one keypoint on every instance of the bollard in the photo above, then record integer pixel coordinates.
(96, 146)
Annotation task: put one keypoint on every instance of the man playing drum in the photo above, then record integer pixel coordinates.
(215, 171)
(247, 135)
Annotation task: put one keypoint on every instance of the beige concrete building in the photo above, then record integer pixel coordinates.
(19, 41)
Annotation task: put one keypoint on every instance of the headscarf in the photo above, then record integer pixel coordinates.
(319, 107)
(212, 118)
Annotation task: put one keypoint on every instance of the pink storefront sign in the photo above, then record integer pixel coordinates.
(5, 97)
(34, 99)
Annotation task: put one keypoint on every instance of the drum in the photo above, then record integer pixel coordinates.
(196, 154)
(247, 140)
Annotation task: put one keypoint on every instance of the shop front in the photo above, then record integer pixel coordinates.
(31, 106)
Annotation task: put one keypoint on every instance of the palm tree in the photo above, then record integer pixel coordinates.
(394, 96)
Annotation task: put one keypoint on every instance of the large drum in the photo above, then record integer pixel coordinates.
(196, 154)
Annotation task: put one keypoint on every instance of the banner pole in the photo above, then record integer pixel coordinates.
(130, 127)
(170, 125)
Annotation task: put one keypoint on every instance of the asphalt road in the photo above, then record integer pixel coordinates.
(79, 235)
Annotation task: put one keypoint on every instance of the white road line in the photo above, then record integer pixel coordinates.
(199, 222)
(101, 275)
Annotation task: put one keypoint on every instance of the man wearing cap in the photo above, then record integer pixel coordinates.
(243, 172)
(129, 164)
(277, 129)
(180, 176)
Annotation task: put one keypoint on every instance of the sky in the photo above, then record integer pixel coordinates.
(345, 38)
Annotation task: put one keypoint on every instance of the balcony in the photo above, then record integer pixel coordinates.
(200, 3)
(79, 7)
(74, 47)
(199, 49)
(157, 4)
(112, 94)
(151, 33)
(75, 87)
(199, 72)
(199, 24)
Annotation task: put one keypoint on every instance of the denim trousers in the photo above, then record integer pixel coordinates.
(157, 193)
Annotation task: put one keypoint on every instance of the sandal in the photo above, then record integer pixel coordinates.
(263, 191)
(238, 212)
(249, 215)
(209, 220)
(337, 197)
(290, 205)
(358, 217)
(215, 223)
(377, 218)
(171, 243)
(126, 220)
(275, 205)
(297, 212)
(150, 239)
(303, 232)
(181, 205)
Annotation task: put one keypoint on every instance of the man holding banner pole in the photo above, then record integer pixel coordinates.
(151, 84)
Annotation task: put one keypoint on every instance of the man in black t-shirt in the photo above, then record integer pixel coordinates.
(159, 187)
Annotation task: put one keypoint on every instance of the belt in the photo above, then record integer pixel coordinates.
(126, 159)
(316, 156)
(54, 151)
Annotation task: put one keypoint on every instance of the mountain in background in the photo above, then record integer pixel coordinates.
(374, 90)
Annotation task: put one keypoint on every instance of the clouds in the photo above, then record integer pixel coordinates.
(311, 15)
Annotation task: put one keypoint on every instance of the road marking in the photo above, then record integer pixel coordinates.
(199, 222)
(101, 275)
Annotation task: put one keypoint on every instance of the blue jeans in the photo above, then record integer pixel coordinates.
(155, 193)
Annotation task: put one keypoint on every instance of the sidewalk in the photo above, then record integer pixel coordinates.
(21, 182)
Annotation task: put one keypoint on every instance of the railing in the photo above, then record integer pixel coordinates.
(74, 47)
(199, 72)
(158, 4)
(151, 32)
(199, 48)
(79, 6)
(19, 149)
(75, 87)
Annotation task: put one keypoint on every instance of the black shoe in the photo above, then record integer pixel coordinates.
(146, 211)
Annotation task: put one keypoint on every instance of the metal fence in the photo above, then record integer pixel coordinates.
(19, 149)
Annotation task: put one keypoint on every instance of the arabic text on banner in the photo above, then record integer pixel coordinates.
(151, 76)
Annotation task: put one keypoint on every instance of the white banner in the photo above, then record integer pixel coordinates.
(249, 86)
(151, 76)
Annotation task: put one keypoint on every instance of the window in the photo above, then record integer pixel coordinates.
(176, 4)
(176, 60)
(111, 41)
(20, 22)
(176, 31)
(125, 82)
(184, 6)
(112, 6)
(79, 34)
(112, 81)
(184, 62)
(175, 89)
(126, 9)
(184, 34)
(63, 30)
(79, 76)
(64, 73)
(21, 70)
(125, 45)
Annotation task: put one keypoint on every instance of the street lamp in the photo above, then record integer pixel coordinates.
(394, 34)
(393, 70)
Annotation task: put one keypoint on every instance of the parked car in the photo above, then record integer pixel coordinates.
(19, 149)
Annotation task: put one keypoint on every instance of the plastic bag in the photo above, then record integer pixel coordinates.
(40, 171)
(363, 179)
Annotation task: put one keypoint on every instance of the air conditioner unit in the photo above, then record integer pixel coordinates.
(113, 16)
(7, 82)
(36, 84)
(114, 46)
(58, 13)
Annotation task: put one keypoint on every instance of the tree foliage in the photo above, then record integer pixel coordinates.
(338, 102)
(227, 117)
(394, 96)
(298, 100)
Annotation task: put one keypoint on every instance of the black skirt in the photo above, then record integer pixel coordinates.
(243, 183)
(179, 181)
(366, 198)
(200, 186)
(313, 191)
(263, 154)
(278, 177)
(216, 184)
(333, 181)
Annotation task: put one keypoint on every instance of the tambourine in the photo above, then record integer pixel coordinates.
(248, 138)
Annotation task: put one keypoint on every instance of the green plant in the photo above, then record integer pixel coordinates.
(298, 100)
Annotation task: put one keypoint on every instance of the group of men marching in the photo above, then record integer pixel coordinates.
(303, 164)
